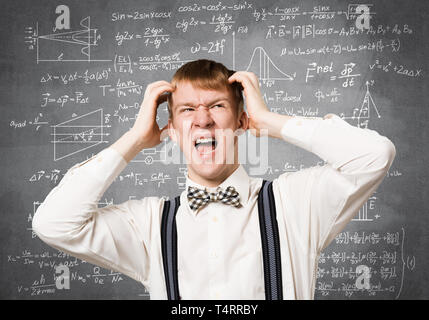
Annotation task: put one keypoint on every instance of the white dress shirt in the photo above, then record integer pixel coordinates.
(219, 246)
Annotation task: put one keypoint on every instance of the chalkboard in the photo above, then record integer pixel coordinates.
(73, 74)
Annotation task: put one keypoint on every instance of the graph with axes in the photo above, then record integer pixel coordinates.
(262, 65)
(73, 45)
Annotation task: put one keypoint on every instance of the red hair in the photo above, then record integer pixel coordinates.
(207, 74)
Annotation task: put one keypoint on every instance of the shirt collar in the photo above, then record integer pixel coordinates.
(239, 179)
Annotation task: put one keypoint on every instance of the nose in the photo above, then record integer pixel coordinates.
(203, 118)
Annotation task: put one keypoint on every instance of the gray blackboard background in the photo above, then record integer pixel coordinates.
(394, 232)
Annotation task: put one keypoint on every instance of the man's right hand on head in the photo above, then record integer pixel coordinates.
(145, 127)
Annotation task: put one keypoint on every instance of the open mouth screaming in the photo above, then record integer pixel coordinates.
(205, 145)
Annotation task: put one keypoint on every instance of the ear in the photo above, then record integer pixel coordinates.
(243, 122)
(171, 130)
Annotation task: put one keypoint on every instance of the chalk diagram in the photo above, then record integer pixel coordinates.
(362, 114)
(78, 134)
(262, 65)
(166, 152)
(181, 180)
(362, 215)
(151, 155)
(64, 46)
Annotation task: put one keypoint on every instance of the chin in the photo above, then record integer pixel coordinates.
(211, 163)
(209, 170)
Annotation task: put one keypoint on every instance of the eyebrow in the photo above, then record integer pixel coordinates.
(191, 104)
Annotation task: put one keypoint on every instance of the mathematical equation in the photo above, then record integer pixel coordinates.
(48, 263)
(378, 270)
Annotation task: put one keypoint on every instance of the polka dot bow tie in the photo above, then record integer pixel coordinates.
(200, 197)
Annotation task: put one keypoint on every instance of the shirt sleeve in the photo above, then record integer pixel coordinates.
(319, 201)
(112, 237)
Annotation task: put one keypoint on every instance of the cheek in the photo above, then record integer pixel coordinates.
(183, 132)
(225, 119)
(181, 124)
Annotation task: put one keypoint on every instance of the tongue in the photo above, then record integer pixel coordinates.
(205, 148)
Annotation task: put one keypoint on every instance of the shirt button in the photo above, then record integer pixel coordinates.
(215, 219)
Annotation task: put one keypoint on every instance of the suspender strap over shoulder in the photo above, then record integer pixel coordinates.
(169, 247)
(270, 242)
(269, 237)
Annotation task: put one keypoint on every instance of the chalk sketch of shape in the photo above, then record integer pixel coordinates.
(362, 114)
(82, 39)
(262, 65)
(78, 134)
(150, 156)
(86, 36)
(181, 182)
(363, 214)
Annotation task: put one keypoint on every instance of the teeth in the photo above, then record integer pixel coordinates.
(205, 140)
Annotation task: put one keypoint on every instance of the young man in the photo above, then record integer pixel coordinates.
(218, 244)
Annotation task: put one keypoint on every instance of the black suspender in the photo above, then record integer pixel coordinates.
(270, 242)
(269, 237)
(169, 247)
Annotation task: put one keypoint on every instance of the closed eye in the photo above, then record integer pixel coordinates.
(218, 105)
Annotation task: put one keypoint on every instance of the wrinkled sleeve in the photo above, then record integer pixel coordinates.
(319, 201)
(69, 218)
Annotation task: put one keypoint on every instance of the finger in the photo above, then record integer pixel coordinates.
(248, 87)
(158, 83)
(154, 88)
(162, 91)
(156, 93)
(236, 77)
(243, 78)
(163, 97)
(150, 101)
(247, 74)
(155, 85)
(252, 77)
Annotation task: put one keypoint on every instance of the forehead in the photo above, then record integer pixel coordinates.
(187, 93)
